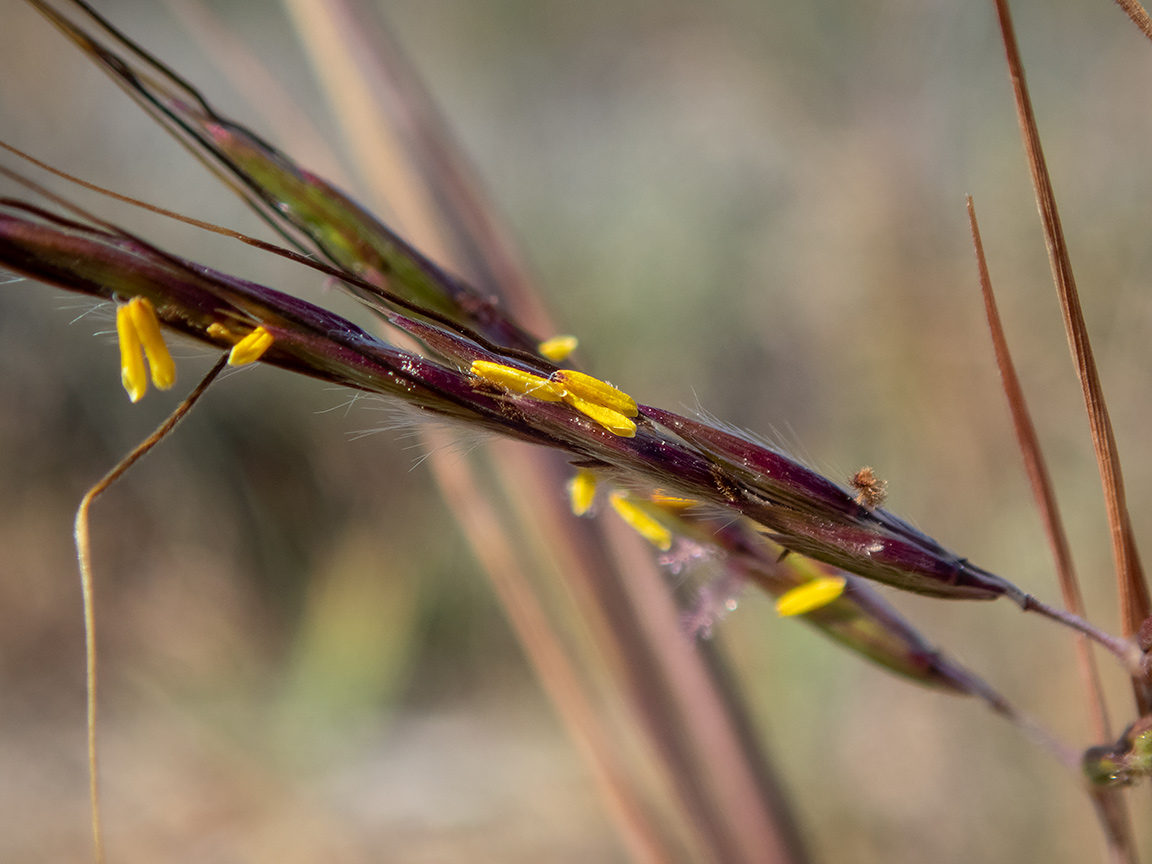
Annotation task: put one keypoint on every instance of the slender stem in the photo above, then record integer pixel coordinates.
(1065, 755)
(84, 558)
(1125, 649)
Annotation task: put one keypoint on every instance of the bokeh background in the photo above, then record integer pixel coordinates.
(753, 208)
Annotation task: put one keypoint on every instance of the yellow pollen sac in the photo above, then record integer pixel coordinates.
(219, 331)
(594, 390)
(672, 502)
(810, 596)
(641, 522)
(582, 491)
(250, 348)
(148, 329)
(613, 421)
(558, 348)
(516, 380)
(133, 375)
(138, 330)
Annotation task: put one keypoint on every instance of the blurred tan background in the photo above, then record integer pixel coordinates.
(755, 208)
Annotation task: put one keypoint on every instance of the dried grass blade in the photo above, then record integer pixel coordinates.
(674, 694)
(491, 540)
(475, 238)
(1110, 805)
(340, 64)
(273, 102)
(304, 209)
(1135, 604)
(721, 769)
(125, 78)
(732, 816)
(1042, 491)
(1138, 15)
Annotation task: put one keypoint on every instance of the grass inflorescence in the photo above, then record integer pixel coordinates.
(691, 488)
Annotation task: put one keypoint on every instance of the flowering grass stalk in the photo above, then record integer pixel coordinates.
(562, 409)
(797, 508)
(680, 482)
(803, 511)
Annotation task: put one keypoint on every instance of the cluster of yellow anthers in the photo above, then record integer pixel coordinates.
(138, 330)
(640, 514)
(643, 516)
(599, 400)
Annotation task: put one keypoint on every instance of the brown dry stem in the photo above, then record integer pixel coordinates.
(84, 559)
(1138, 15)
(1135, 603)
(1041, 483)
(1110, 806)
(732, 816)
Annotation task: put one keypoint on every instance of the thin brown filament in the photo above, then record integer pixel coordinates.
(126, 199)
(1041, 483)
(84, 558)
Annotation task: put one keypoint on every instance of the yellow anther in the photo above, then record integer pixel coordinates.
(148, 329)
(219, 331)
(250, 348)
(590, 396)
(133, 375)
(558, 348)
(810, 596)
(594, 390)
(138, 330)
(613, 421)
(515, 380)
(672, 502)
(582, 491)
(641, 521)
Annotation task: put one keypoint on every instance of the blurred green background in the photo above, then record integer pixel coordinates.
(754, 208)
